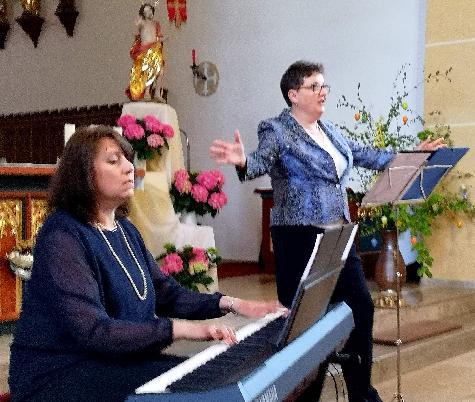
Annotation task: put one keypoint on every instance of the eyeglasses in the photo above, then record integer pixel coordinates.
(317, 88)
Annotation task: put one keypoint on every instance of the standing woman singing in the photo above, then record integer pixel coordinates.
(309, 162)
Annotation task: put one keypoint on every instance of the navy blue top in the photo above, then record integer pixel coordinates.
(79, 303)
(307, 189)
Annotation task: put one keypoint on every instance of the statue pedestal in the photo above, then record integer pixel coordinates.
(151, 209)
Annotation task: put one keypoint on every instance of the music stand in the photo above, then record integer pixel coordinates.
(409, 179)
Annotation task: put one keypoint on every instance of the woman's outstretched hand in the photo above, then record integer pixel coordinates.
(428, 145)
(229, 152)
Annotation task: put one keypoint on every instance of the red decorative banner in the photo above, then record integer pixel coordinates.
(177, 11)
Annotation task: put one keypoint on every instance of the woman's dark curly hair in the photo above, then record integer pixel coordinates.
(72, 187)
(295, 74)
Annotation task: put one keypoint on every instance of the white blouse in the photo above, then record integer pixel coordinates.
(324, 142)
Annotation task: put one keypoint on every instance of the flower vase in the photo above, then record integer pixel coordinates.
(188, 218)
(140, 166)
(389, 262)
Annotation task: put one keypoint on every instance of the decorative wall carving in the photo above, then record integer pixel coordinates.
(11, 217)
(39, 210)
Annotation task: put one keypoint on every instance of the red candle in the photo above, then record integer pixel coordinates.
(193, 56)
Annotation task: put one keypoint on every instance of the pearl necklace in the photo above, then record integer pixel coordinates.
(101, 229)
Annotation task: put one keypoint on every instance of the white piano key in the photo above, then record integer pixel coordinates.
(161, 383)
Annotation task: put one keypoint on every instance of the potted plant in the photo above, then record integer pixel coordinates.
(396, 131)
(189, 266)
(197, 193)
(147, 135)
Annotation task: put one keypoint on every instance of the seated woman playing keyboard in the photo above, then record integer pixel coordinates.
(97, 311)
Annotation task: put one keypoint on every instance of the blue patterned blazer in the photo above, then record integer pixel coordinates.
(307, 190)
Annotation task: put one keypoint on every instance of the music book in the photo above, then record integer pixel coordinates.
(318, 280)
(331, 249)
(411, 176)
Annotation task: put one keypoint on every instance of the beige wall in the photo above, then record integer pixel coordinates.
(450, 42)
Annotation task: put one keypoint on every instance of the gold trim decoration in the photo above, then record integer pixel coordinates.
(31, 6)
(11, 216)
(18, 294)
(39, 210)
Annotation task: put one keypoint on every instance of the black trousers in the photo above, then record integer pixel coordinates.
(293, 246)
(102, 380)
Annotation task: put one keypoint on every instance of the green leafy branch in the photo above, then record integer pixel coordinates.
(419, 219)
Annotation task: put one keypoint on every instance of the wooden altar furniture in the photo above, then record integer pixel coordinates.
(22, 211)
(31, 144)
(38, 137)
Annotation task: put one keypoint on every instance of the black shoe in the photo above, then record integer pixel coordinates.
(342, 358)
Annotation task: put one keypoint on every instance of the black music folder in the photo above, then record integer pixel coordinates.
(330, 248)
(318, 281)
(411, 176)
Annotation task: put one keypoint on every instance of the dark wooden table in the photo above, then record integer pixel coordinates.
(266, 256)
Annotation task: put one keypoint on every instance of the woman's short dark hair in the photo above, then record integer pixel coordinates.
(72, 187)
(294, 76)
(142, 9)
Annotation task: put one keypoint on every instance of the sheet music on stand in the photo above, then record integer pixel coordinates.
(409, 179)
(412, 176)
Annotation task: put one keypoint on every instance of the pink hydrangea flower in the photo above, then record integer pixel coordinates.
(199, 193)
(180, 174)
(134, 132)
(152, 124)
(199, 254)
(181, 181)
(217, 200)
(198, 262)
(125, 120)
(172, 263)
(219, 177)
(167, 130)
(207, 179)
(155, 141)
(184, 187)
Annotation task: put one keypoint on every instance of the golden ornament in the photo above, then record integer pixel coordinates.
(31, 6)
(3, 11)
(146, 68)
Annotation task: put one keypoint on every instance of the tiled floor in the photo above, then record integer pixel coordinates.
(451, 380)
